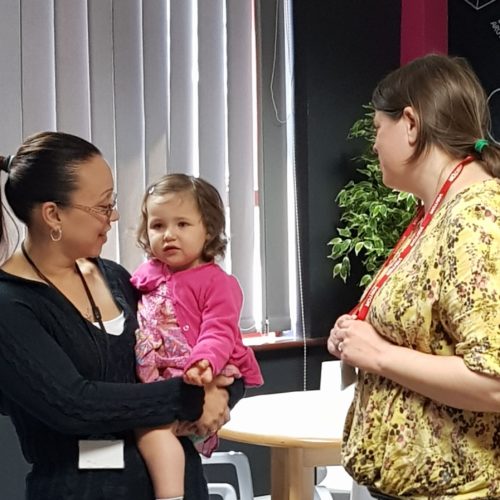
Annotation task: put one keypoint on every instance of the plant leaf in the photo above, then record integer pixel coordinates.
(372, 215)
(358, 247)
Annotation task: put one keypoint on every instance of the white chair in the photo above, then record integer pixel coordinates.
(223, 490)
(322, 493)
(243, 473)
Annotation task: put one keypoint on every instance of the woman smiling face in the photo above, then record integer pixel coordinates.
(86, 220)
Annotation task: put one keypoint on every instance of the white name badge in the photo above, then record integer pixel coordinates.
(102, 454)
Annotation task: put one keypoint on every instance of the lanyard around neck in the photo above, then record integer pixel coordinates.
(95, 310)
(410, 237)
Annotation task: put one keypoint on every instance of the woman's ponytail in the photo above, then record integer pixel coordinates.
(5, 162)
(488, 153)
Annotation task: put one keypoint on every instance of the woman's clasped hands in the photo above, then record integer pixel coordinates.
(357, 343)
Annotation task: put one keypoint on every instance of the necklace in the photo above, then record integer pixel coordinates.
(95, 309)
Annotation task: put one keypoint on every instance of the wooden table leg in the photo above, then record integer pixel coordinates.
(301, 479)
(279, 474)
(290, 479)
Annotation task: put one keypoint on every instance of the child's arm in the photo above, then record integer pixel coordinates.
(219, 328)
(199, 374)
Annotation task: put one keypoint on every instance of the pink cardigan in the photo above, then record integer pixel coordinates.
(207, 304)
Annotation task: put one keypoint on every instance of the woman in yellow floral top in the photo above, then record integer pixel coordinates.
(425, 421)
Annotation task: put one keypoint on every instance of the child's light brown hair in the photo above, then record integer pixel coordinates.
(208, 201)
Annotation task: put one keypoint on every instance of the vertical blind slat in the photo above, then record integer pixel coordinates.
(72, 67)
(129, 123)
(155, 88)
(10, 78)
(212, 94)
(38, 66)
(182, 157)
(101, 89)
(241, 147)
(10, 107)
(101, 80)
(273, 168)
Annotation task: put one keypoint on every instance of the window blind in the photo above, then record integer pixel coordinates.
(164, 86)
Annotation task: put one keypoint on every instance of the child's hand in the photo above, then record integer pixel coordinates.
(199, 374)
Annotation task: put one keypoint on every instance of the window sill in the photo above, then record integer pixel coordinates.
(272, 342)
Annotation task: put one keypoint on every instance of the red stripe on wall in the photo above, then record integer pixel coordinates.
(424, 28)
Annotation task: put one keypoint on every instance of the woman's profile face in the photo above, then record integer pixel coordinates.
(91, 210)
(392, 147)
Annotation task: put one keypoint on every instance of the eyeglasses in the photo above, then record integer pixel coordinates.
(99, 210)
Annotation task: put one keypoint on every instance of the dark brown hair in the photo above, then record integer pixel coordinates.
(209, 204)
(44, 168)
(450, 104)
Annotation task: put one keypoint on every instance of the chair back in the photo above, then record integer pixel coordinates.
(337, 376)
(330, 376)
(242, 466)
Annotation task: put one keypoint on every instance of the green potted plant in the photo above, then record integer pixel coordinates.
(373, 216)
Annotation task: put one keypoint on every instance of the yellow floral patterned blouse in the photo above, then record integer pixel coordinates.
(444, 299)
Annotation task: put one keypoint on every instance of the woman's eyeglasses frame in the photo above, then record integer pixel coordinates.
(98, 210)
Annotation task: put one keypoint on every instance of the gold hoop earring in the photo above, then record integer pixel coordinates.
(56, 234)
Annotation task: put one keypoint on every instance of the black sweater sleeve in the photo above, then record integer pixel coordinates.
(236, 392)
(37, 375)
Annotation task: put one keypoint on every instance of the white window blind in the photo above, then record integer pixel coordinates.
(165, 86)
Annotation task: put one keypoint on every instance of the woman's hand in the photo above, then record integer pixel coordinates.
(333, 339)
(216, 409)
(357, 343)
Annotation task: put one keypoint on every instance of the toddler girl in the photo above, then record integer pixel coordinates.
(189, 311)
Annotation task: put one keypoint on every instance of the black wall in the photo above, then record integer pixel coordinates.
(475, 35)
(342, 49)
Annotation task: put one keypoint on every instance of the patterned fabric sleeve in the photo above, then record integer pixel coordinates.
(470, 299)
(145, 353)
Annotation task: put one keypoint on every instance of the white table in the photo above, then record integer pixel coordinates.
(303, 429)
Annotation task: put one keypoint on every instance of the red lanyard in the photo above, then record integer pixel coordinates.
(412, 234)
